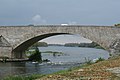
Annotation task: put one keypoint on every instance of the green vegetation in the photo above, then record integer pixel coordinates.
(100, 59)
(98, 47)
(28, 53)
(40, 44)
(32, 50)
(36, 56)
(4, 58)
(91, 45)
(72, 44)
(71, 69)
(117, 25)
(32, 77)
(52, 52)
(88, 61)
(110, 54)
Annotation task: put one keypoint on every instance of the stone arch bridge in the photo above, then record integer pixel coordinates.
(14, 40)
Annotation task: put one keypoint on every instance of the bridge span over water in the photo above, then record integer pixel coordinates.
(14, 40)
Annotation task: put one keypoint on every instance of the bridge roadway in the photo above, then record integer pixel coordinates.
(14, 40)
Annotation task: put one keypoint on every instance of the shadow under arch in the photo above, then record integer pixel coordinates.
(18, 52)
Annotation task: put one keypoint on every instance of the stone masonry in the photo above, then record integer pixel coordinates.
(19, 38)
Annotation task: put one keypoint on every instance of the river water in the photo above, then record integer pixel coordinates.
(72, 57)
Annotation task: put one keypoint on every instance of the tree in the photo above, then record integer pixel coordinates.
(36, 56)
(40, 44)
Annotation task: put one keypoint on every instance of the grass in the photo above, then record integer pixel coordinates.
(32, 77)
(64, 72)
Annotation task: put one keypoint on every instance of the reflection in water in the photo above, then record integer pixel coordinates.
(18, 68)
(54, 54)
(7, 69)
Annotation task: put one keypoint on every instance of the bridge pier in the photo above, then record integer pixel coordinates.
(18, 55)
(5, 52)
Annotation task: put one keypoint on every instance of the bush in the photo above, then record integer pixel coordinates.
(100, 59)
(40, 44)
(88, 61)
(36, 56)
(4, 58)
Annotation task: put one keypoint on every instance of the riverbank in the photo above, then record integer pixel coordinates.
(14, 60)
(97, 71)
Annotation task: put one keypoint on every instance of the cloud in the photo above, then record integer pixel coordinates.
(37, 19)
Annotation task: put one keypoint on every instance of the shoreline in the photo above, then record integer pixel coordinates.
(13, 60)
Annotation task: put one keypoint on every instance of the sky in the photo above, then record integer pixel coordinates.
(40, 12)
(83, 12)
(62, 39)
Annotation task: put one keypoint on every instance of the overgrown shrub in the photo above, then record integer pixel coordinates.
(36, 56)
(100, 59)
(88, 61)
(31, 77)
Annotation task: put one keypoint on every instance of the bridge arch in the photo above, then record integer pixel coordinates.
(18, 51)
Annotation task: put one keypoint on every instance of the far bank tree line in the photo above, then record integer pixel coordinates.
(91, 45)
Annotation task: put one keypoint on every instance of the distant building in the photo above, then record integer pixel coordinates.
(64, 24)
